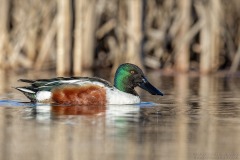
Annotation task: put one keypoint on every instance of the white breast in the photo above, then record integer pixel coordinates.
(115, 96)
(43, 96)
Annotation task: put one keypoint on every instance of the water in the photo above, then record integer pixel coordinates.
(198, 118)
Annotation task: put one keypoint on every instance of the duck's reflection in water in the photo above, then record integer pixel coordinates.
(77, 110)
(110, 115)
(48, 112)
(109, 112)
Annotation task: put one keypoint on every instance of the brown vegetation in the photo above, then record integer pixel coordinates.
(71, 35)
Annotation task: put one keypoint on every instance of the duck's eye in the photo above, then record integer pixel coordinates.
(132, 72)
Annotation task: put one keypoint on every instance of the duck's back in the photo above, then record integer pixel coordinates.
(42, 90)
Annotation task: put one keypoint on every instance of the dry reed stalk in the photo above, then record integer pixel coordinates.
(205, 41)
(31, 44)
(63, 37)
(134, 31)
(106, 28)
(84, 35)
(2, 52)
(210, 36)
(88, 22)
(16, 52)
(78, 38)
(182, 56)
(151, 62)
(46, 46)
(236, 61)
(216, 21)
(24, 61)
(117, 52)
(2, 81)
(101, 9)
(4, 7)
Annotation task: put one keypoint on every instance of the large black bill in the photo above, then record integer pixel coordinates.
(150, 88)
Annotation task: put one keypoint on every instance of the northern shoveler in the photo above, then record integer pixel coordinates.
(90, 91)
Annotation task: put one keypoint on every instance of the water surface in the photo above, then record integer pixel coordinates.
(198, 118)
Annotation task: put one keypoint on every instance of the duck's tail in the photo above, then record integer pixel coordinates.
(29, 92)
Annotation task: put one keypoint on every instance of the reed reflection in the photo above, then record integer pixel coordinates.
(181, 97)
(2, 81)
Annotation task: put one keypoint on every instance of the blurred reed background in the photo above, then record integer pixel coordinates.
(72, 35)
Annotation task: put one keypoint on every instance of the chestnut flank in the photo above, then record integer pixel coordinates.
(80, 95)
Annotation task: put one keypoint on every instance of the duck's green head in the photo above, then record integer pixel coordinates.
(128, 76)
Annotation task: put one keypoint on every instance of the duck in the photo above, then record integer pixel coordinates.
(90, 90)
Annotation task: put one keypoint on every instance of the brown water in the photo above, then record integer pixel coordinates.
(198, 118)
